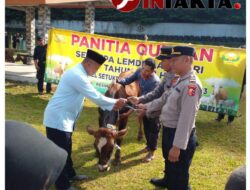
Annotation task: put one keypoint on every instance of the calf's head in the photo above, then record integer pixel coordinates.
(104, 144)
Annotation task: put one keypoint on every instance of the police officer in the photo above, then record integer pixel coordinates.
(165, 84)
(66, 105)
(40, 63)
(178, 108)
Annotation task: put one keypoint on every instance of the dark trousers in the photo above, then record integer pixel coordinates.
(151, 130)
(222, 116)
(63, 140)
(40, 78)
(177, 174)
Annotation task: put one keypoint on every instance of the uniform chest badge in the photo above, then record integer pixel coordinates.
(174, 80)
(191, 89)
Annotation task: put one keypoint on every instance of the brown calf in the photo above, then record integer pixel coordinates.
(104, 144)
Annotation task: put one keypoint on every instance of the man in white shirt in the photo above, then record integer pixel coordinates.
(65, 106)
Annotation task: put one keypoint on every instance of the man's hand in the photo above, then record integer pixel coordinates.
(119, 104)
(133, 100)
(174, 154)
(141, 106)
(119, 81)
(36, 64)
(140, 112)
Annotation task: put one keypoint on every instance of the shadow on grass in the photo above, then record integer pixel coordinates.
(29, 107)
(12, 84)
(210, 133)
(93, 169)
(87, 152)
(94, 174)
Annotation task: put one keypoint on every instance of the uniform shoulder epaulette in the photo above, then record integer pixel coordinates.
(192, 86)
(192, 79)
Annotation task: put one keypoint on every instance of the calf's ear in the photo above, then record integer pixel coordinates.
(120, 133)
(91, 131)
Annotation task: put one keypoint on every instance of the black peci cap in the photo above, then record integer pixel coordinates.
(182, 50)
(165, 53)
(98, 58)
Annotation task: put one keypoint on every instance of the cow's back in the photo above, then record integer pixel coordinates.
(133, 88)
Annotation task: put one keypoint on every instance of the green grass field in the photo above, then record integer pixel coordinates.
(221, 148)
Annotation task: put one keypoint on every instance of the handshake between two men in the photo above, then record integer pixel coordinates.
(138, 108)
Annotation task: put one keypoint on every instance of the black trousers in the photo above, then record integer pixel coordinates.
(40, 78)
(63, 140)
(152, 128)
(222, 116)
(177, 174)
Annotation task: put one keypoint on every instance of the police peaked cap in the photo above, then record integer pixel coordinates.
(182, 50)
(165, 53)
(98, 58)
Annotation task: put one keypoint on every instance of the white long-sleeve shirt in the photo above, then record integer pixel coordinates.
(64, 107)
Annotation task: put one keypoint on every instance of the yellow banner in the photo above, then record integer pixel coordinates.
(220, 69)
